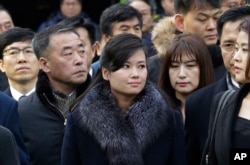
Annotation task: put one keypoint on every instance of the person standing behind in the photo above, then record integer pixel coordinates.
(231, 129)
(186, 68)
(6, 23)
(9, 118)
(18, 61)
(68, 8)
(198, 104)
(118, 19)
(147, 12)
(200, 17)
(168, 7)
(63, 77)
(87, 34)
(130, 122)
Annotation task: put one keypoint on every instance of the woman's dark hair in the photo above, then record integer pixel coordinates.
(245, 26)
(115, 53)
(118, 50)
(193, 46)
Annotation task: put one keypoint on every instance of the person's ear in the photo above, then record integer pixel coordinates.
(95, 47)
(44, 64)
(1, 66)
(106, 38)
(105, 74)
(179, 22)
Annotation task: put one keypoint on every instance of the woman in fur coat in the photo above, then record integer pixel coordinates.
(122, 119)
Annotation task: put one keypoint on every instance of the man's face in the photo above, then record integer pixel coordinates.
(203, 22)
(147, 17)
(168, 6)
(89, 49)
(20, 63)
(5, 21)
(66, 64)
(131, 25)
(227, 44)
(71, 8)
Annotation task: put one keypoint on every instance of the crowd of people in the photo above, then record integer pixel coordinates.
(134, 89)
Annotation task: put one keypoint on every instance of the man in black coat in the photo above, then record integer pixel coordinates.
(63, 77)
(198, 104)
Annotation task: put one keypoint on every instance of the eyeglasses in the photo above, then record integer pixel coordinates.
(15, 52)
(228, 47)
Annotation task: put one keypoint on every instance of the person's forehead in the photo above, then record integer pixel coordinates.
(230, 30)
(4, 15)
(133, 20)
(205, 11)
(64, 39)
(139, 4)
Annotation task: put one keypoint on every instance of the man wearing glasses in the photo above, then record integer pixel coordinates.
(18, 61)
(198, 104)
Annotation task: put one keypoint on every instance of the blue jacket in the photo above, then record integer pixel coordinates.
(9, 118)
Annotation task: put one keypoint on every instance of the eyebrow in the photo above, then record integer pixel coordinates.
(207, 15)
(229, 41)
(15, 47)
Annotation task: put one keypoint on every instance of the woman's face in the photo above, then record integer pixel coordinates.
(130, 79)
(241, 57)
(184, 75)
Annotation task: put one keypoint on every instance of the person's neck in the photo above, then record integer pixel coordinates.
(24, 87)
(63, 88)
(124, 102)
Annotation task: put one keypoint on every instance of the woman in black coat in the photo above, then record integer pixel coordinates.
(230, 120)
(122, 119)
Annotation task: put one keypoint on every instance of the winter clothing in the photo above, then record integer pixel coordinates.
(162, 34)
(43, 122)
(98, 133)
(224, 129)
(197, 109)
(9, 118)
(8, 148)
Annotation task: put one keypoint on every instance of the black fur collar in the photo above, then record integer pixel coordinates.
(123, 135)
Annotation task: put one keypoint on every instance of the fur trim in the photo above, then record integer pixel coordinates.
(163, 33)
(123, 135)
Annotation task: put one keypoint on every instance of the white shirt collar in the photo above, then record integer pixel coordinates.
(16, 94)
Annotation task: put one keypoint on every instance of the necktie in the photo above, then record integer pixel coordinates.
(21, 97)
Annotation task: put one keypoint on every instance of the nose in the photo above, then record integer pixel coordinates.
(237, 56)
(182, 72)
(21, 57)
(134, 72)
(211, 24)
(80, 58)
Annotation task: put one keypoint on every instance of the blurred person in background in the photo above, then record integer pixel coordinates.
(68, 8)
(147, 12)
(6, 22)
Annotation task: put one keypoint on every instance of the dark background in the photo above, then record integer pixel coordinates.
(30, 13)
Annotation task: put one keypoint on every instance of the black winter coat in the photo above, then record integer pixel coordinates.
(42, 123)
(148, 133)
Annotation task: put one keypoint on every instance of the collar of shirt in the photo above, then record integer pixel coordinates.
(16, 94)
